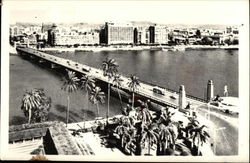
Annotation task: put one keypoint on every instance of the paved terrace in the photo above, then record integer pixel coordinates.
(145, 89)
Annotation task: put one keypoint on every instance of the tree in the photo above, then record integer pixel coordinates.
(199, 136)
(87, 84)
(117, 82)
(193, 123)
(207, 40)
(126, 133)
(144, 115)
(166, 139)
(70, 85)
(150, 135)
(36, 105)
(133, 85)
(96, 97)
(109, 69)
(198, 33)
(165, 117)
(121, 130)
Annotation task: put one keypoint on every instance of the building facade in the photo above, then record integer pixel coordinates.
(117, 33)
(141, 35)
(58, 36)
(158, 34)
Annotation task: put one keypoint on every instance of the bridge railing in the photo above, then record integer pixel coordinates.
(157, 99)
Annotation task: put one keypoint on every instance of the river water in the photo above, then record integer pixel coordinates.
(192, 68)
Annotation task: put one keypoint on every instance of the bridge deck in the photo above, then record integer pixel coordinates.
(145, 89)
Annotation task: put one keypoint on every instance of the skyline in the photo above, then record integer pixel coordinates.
(161, 12)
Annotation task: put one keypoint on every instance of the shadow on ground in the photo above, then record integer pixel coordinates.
(17, 120)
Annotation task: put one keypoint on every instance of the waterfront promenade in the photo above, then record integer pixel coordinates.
(60, 49)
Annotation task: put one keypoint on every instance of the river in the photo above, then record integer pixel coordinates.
(192, 68)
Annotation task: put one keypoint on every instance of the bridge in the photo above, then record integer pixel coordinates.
(145, 89)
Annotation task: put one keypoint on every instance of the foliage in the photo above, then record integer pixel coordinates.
(87, 83)
(36, 105)
(70, 85)
(96, 97)
(134, 83)
(110, 67)
(70, 82)
(207, 40)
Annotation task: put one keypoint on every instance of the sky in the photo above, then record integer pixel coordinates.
(162, 11)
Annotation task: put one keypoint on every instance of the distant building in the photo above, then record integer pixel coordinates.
(179, 36)
(52, 32)
(158, 34)
(232, 30)
(66, 36)
(117, 33)
(141, 35)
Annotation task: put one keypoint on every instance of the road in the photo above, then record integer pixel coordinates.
(224, 126)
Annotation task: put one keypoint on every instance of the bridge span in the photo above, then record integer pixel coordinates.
(145, 89)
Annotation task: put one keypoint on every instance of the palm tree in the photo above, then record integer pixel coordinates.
(70, 85)
(96, 97)
(87, 84)
(31, 101)
(41, 113)
(109, 69)
(200, 136)
(144, 115)
(121, 130)
(133, 85)
(166, 139)
(117, 82)
(129, 140)
(165, 117)
(150, 135)
(193, 123)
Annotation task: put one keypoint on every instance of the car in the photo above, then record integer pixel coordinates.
(158, 91)
(172, 97)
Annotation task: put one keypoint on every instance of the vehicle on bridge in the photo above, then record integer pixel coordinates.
(157, 90)
(174, 96)
(227, 104)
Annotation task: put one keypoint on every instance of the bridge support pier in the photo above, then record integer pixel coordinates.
(210, 90)
(53, 65)
(225, 91)
(41, 61)
(182, 97)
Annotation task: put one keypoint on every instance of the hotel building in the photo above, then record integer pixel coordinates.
(118, 33)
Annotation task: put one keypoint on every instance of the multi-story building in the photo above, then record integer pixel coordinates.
(141, 35)
(67, 36)
(158, 34)
(118, 33)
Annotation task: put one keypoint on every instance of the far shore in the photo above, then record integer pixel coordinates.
(138, 47)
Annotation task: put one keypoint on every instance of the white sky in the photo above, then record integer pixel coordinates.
(164, 11)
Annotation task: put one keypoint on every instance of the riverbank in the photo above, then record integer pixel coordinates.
(61, 49)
